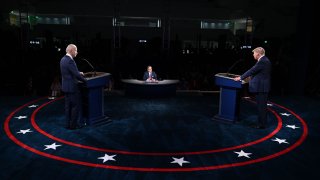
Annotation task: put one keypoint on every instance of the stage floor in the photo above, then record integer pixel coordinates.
(160, 138)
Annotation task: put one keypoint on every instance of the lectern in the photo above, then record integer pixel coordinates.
(93, 97)
(229, 97)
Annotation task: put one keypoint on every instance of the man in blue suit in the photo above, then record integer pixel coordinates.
(259, 84)
(149, 75)
(70, 77)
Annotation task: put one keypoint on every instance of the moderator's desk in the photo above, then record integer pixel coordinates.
(164, 88)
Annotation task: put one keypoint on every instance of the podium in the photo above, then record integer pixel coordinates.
(229, 97)
(92, 94)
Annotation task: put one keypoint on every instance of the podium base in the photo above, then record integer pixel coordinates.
(224, 119)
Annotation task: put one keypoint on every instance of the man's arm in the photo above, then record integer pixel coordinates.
(252, 71)
(74, 70)
(155, 75)
(145, 76)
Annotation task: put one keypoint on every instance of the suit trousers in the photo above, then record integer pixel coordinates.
(72, 109)
(262, 100)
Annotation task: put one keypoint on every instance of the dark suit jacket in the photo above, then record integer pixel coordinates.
(260, 76)
(70, 75)
(146, 75)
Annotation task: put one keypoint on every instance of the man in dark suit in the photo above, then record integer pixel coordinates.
(70, 77)
(149, 75)
(259, 84)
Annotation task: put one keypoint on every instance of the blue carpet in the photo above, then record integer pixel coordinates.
(147, 135)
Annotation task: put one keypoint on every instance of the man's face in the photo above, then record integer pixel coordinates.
(256, 55)
(74, 52)
(149, 69)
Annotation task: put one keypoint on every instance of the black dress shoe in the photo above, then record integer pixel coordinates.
(79, 126)
(71, 128)
(258, 127)
(76, 126)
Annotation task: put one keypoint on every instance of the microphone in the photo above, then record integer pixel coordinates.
(93, 69)
(233, 65)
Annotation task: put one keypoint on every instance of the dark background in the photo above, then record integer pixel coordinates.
(286, 29)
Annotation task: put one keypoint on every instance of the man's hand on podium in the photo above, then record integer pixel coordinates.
(238, 78)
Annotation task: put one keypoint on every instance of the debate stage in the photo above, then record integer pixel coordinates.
(161, 138)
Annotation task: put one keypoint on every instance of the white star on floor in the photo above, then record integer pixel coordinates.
(106, 158)
(269, 104)
(24, 131)
(33, 106)
(20, 117)
(242, 153)
(52, 146)
(179, 161)
(285, 114)
(292, 126)
(280, 141)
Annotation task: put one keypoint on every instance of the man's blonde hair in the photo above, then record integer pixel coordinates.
(259, 50)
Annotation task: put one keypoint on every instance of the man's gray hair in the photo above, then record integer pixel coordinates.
(70, 47)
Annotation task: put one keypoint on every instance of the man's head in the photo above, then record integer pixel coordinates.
(149, 68)
(258, 52)
(72, 50)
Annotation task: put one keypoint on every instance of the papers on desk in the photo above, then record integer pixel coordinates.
(151, 81)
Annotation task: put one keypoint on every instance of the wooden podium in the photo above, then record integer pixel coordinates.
(229, 97)
(92, 94)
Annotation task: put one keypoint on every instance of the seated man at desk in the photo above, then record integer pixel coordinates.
(149, 75)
